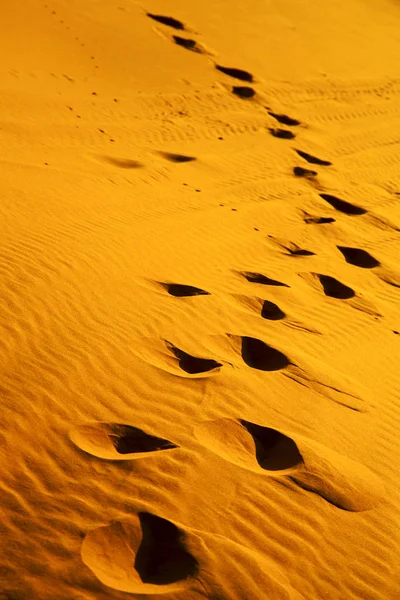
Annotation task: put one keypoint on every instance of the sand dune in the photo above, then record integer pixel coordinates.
(200, 283)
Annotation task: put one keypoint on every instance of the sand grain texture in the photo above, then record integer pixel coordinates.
(200, 291)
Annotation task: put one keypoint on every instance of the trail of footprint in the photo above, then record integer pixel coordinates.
(358, 257)
(116, 441)
(263, 279)
(169, 21)
(145, 554)
(382, 223)
(389, 277)
(193, 364)
(342, 205)
(284, 119)
(236, 73)
(328, 389)
(181, 291)
(341, 481)
(313, 159)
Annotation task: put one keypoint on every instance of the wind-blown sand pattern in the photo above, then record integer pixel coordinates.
(200, 291)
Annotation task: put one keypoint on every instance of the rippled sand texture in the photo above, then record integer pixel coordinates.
(200, 292)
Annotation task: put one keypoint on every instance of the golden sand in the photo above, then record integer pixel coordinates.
(200, 300)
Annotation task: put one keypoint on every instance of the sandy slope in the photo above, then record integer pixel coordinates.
(200, 288)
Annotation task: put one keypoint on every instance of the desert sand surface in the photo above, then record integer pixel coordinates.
(200, 300)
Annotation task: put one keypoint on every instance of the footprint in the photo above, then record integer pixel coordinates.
(311, 220)
(248, 445)
(271, 311)
(243, 91)
(193, 364)
(169, 21)
(123, 163)
(115, 441)
(284, 119)
(296, 251)
(263, 279)
(313, 159)
(258, 355)
(150, 555)
(236, 73)
(290, 248)
(338, 479)
(343, 206)
(334, 288)
(181, 291)
(188, 44)
(177, 158)
(301, 172)
(167, 356)
(145, 554)
(284, 134)
(358, 257)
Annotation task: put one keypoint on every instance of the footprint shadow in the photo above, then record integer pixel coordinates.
(182, 291)
(146, 554)
(244, 92)
(193, 365)
(188, 44)
(271, 311)
(236, 73)
(169, 21)
(162, 557)
(358, 257)
(334, 288)
(259, 355)
(343, 206)
(313, 220)
(306, 173)
(177, 158)
(283, 134)
(122, 163)
(116, 441)
(284, 119)
(263, 279)
(274, 450)
(313, 159)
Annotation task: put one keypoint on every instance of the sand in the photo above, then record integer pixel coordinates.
(200, 290)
